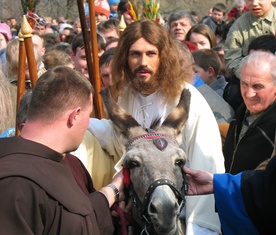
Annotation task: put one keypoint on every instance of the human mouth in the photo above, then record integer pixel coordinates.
(143, 72)
(256, 11)
(178, 33)
(252, 101)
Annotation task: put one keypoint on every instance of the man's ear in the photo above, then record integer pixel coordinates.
(21, 125)
(211, 72)
(73, 116)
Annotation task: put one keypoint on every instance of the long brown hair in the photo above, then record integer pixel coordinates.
(171, 74)
(206, 31)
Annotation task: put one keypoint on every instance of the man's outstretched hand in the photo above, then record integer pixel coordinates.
(199, 182)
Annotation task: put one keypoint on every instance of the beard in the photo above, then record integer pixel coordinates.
(142, 86)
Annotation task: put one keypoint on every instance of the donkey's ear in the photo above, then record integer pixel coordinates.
(123, 121)
(178, 117)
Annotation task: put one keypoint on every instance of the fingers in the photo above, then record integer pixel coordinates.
(118, 180)
(122, 205)
(185, 169)
(188, 170)
(129, 206)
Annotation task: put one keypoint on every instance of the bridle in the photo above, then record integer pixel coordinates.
(160, 142)
(143, 207)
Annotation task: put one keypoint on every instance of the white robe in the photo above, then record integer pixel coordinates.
(201, 142)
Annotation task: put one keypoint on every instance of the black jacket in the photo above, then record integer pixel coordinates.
(255, 146)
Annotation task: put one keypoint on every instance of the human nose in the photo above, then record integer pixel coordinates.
(144, 60)
(199, 46)
(255, 2)
(250, 92)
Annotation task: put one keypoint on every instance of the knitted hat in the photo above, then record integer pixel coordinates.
(63, 26)
(101, 6)
(6, 31)
(111, 2)
(191, 46)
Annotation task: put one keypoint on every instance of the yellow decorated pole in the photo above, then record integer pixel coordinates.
(122, 25)
(25, 50)
(21, 74)
(26, 31)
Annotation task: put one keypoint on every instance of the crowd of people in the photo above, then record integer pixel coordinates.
(62, 174)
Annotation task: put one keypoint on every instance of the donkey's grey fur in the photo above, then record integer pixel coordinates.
(147, 163)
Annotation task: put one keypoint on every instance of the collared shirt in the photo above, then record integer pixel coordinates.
(242, 33)
(248, 120)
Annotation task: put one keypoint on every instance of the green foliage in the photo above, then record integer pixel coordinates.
(150, 9)
(28, 5)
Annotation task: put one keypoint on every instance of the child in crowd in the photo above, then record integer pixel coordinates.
(109, 29)
(207, 66)
(260, 20)
(102, 11)
(217, 17)
(113, 8)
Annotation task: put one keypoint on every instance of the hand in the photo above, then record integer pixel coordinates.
(126, 208)
(118, 181)
(199, 182)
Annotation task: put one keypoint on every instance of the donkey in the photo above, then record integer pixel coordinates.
(152, 166)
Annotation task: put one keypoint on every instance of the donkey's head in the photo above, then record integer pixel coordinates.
(152, 165)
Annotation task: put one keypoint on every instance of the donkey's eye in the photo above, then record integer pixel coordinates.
(179, 162)
(132, 164)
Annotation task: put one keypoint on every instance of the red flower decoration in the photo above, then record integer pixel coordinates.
(126, 177)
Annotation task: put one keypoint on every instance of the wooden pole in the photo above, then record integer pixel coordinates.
(96, 67)
(97, 98)
(21, 74)
(26, 31)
